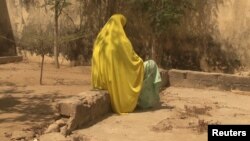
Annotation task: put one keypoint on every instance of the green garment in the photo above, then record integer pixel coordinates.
(149, 96)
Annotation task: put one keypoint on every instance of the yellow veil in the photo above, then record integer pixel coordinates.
(116, 67)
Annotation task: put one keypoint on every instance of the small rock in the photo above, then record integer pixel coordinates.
(216, 102)
(52, 99)
(60, 122)
(56, 116)
(183, 117)
(7, 134)
(52, 128)
(63, 130)
(38, 129)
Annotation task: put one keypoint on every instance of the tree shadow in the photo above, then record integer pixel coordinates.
(95, 121)
(160, 106)
(6, 83)
(7, 102)
(15, 90)
(38, 108)
(70, 82)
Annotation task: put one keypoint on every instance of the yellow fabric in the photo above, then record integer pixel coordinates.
(116, 67)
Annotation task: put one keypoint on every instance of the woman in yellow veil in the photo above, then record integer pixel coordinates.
(116, 67)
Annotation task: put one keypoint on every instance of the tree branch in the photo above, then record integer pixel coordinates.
(60, 8)
(70, 18)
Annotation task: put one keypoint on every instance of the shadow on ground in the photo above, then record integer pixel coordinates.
(161, 105)
(29, 108)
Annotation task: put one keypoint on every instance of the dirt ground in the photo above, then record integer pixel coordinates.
(24, 103)
(183, 114)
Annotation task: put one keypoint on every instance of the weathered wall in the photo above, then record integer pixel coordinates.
(215, 38)
(234, 26)
(7, 43)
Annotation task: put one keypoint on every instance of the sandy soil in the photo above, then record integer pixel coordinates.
(183, 114)
(24, 103)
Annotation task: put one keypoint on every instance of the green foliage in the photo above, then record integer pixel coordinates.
(37, 40)
(71, 43)
(162, 14)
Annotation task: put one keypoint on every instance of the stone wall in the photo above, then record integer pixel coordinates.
(7, 42)
(10, 59)
(203, 80)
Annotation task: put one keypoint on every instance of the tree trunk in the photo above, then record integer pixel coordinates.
(7, 42)
(41, 74)
(153, 49)
(110, 4)
(56, 53)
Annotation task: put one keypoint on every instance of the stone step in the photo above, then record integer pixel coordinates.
(81, 109)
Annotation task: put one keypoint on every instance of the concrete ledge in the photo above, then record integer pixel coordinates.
(177, 78)
(229, 82)
(10, 59)
(80, 110)
(193, 79)
(164, 78)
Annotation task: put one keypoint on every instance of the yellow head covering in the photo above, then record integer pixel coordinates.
(116, 67)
